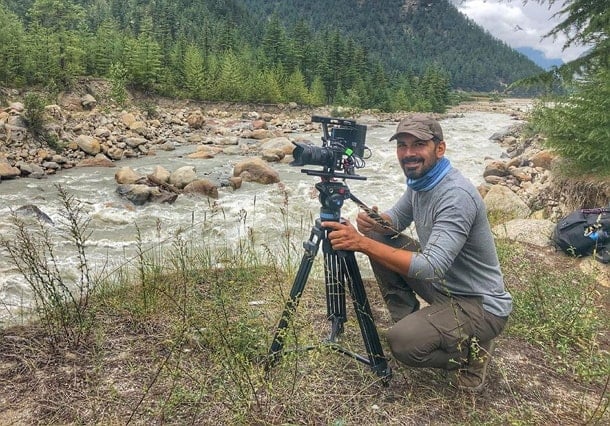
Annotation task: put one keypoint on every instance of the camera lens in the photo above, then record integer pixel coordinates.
(304, 154)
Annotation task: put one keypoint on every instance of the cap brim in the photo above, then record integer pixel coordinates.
(424, 136)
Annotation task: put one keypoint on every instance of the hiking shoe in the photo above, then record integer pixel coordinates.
(472, 376)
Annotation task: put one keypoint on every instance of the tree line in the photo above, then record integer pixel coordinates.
(149, 46)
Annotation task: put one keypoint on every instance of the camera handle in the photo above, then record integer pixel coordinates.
(340, 270)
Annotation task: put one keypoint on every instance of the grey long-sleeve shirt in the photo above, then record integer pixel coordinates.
(458, 250)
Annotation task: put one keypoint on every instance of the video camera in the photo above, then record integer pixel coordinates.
(342, 150)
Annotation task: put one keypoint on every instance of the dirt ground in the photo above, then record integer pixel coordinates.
(35, 382)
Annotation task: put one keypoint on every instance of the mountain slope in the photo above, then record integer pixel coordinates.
(411, 35)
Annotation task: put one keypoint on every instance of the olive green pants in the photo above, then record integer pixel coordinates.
(438, 335)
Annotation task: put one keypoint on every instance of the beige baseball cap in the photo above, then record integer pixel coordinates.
(421, 126)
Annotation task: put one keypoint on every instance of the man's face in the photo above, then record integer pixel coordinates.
(416, 156)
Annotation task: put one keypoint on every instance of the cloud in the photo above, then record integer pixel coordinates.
(520, 25)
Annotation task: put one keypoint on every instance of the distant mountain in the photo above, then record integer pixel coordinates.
(410, 36)
(538, 58)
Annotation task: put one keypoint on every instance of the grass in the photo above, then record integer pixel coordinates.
(182, 338)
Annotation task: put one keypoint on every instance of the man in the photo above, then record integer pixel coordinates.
(454, 267)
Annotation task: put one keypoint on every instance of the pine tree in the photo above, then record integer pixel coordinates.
(230, 83)
(577, 125)
(435, 89)
(295, 89)
(317, 92)
(105, 48)
(194, 74)
(275, 43)
(11, 40)
(58, 21)
(267, 87)
(144, 58)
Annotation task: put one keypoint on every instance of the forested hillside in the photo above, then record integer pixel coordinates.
(388, 55)
(412, 35)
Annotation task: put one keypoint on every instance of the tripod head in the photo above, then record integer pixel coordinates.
(331, 197)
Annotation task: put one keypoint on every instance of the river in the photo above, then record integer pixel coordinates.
(260, 216)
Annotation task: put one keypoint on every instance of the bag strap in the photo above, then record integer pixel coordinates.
(595, 211)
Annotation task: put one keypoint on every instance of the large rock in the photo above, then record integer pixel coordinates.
(100, 160)
(281, 143)
(126, 175)
(182, 176)
(196, 119)
(261, 134)
(137, 194)
(7, 171)
(31, 170)
(503, 200)
(160, 174)
(256, 170)
(34, 211)
(115, 153)
(135, 142)
(127, 118)
(14, 133)
(495, 168)
(203, 152)
(202, 187)
(535, 232)
(88, 144)
(276, 149)
(88, 102)
(543, 159)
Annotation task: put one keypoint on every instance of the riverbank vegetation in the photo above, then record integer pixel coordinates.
(576, 121)
(180, 333)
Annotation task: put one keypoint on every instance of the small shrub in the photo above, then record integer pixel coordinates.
(34, 113)
(557, 309)
(118, 78)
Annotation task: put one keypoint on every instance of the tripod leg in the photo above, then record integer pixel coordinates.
(377, 360)
(311, 247)
(335, 290)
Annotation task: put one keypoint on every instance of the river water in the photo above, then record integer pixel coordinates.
(258, 216)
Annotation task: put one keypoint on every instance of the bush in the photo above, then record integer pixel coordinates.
(34, 113)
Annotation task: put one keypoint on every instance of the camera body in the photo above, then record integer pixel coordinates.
(342, 150)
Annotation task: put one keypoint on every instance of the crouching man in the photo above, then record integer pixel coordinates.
(453, 267)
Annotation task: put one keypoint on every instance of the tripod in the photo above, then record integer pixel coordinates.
(340, 269)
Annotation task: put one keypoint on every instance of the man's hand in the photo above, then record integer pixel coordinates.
(370, 220)
(365, 222)
(344, 236)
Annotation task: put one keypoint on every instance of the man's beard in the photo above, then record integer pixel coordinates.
(411, 167)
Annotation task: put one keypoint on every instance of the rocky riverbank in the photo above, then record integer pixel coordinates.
(93, 132)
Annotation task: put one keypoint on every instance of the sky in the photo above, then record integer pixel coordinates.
(520, 25)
